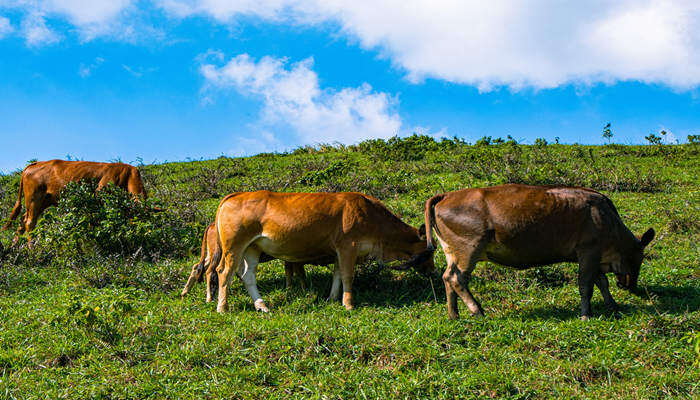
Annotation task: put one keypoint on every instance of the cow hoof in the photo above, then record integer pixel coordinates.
(221, 309)
(585, 318)
(348, 307)
(260, 306)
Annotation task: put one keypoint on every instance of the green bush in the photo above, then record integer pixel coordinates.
(319, 177)
(96, 316)
(411, 148)
(110, 222)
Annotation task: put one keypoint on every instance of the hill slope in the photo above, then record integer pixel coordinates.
(117, 329)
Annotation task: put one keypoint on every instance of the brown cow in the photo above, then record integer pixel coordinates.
(307, 226)
(42, 181)
(524, 226)
(208, 261)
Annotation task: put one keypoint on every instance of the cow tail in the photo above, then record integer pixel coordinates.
(136, 184)
(430, 220)
(202, 256)
(18, 204)
(214, 262)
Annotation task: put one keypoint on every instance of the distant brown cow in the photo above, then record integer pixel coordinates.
(525, 226)
(210, 257)
(307, 226)
(41, 183)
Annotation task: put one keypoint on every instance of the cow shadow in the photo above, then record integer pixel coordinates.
(672, 300)
(373, 286)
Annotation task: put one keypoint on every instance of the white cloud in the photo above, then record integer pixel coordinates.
(514, 43)
(36, 33)
(117, 19)
(264, 142)
(138, 72)
(85, 70)
(84, 13)
(5, 27)
(291, 96)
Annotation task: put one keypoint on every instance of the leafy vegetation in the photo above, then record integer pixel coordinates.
(93, 309)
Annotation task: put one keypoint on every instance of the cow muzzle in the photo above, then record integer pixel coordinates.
(627, 282)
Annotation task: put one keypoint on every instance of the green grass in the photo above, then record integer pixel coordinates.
(142, 341)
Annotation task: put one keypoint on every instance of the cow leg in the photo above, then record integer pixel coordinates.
(459, 280)
(288, 272)
(458, 274)
(194, 277)
(452, 306)
(21, 229)
(250, 267)
(335, 286)
(604, 287)
(588, 271)
(212, 281)
(230, 261)
(34, 209)
(300, 273)
(346, 262)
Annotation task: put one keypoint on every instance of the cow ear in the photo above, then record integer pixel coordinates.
(421, 231)
(647, 237)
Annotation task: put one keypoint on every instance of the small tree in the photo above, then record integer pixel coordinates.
(541, 142)
(607, 132)
(653, 139)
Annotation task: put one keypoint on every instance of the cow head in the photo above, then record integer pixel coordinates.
(627, 273)
(415, 254)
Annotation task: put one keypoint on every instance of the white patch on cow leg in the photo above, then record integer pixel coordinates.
(248, 278)
(335, 286)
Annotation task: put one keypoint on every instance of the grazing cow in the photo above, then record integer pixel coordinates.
(42, 181)
(524, 226)
(307, 226)
(208, 262)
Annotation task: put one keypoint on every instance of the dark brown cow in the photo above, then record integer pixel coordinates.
(208, 261)
(524, 226)
(299, 227)
(42, 181)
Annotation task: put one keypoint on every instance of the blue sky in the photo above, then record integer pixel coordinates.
(176, 79)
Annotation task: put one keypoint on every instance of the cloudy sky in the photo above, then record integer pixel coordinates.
(170, 79)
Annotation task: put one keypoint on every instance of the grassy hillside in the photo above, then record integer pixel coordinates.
(103, 325)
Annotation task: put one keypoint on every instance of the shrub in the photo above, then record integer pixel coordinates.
(319, 177)
(97, 316)
(110, 222)
(653, 139)
(541, 142)
(607, 132)
(412, 148)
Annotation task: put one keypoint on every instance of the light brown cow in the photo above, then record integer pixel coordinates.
(524, 226)
(41, 183)
(307, 226)
(210, 257)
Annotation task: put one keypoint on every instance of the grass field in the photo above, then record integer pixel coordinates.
(114, 327)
